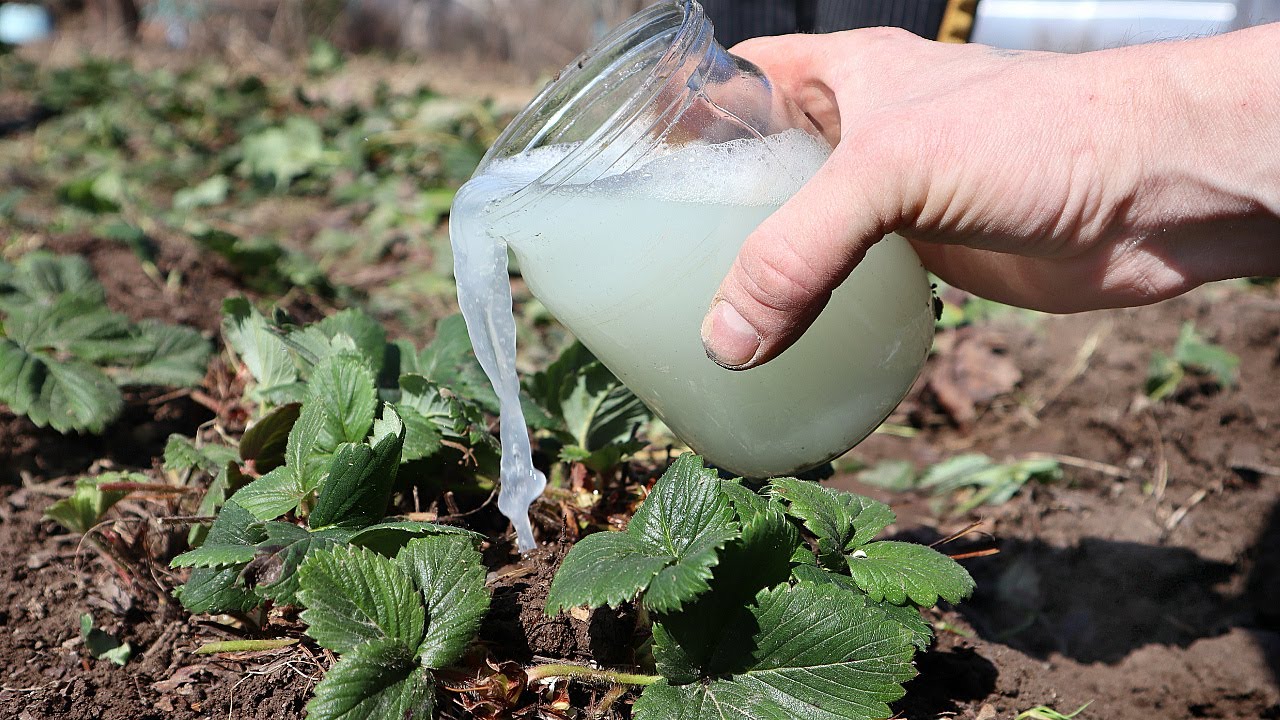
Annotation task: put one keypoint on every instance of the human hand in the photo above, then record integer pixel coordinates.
(1056, 182)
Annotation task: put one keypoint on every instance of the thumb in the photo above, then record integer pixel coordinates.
(787, 268)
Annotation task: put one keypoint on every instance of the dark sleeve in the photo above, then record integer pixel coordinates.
(737, 20)
(922, 17)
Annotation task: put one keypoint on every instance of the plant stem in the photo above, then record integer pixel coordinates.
(590, 674)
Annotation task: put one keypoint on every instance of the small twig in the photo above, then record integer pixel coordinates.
(186, 519)
(1161, 480)
(957, 535)
(1085, 463)
(1078, 366)
(157, 488)
(1181, 512)
(975, 554)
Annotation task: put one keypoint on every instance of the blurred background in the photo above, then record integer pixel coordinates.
(535, 36)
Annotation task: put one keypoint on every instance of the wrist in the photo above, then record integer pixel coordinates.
(1209, 116)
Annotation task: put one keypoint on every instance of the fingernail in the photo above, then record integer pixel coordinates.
(729, 339)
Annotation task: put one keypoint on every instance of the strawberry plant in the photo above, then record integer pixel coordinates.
(777, 604)
(1191, 354)
(64, 355)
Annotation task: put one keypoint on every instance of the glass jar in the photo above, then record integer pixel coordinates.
(625, 191)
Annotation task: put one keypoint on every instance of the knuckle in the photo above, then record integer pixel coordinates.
(781, 279)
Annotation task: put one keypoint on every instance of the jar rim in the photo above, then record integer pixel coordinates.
(578, 84)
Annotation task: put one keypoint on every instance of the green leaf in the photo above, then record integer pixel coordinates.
(802, 652)
(983, 480)
(272, 495)
(267, 439)
(895, 475)
(841, 521)
(666, 552)
(209, 555)
(65, 395)
(228, 480)
(450, 574)
(343, 388)
(258, 345)
(211, 191)
(906, 616)
(746, 503)
(596, 409)
(216, 591)
(1190, 352)
(281, 554)
(899, 571)
(315, 341)
(87, 504)
(42, 277)
(378, 680)
(354, 596)
(178, 357)
(387, 538)
(102, 191)
(182, 455)
(449, 361)
(101, 645)
(702, 635)
(281, 154)
(361, 478)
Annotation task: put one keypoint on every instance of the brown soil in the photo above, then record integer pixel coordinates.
(1143, 582)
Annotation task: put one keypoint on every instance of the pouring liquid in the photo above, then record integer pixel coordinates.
(630, 263)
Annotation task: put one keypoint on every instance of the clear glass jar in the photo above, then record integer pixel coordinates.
(625, 190)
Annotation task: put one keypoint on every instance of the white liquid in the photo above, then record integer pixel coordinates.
(630, 264)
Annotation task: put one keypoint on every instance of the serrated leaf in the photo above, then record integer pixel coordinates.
(906, 616)
(378, 680)
(65, 395)
(40, 277)
(228, 480)
(599, 410)
(702, 638)
(266, 441)
(595, 409)
(449, 361)
(714, 700)
(666, 552)
(841, 521)
(209, 555)
(899, 571)
(271, 495)
(216, 591)
(282, 552)
(358, 488)
(343, 388)
(805, 654)
(368, 337)
(387, 538)
(450, 574)
(182, 455)
(177, 356)
(258, 345)
(88, 503)
(746, 503)
(354, 596)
